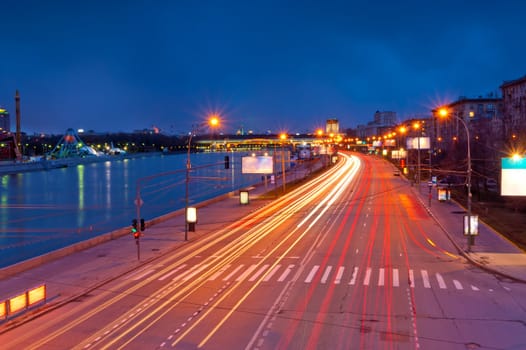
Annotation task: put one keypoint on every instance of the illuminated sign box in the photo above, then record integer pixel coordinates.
(3, 310)
(513, 177)
(418, 143)
(472, 226)
(191, 215)
(243, 197)
(390, 143)
(36, 295)
(443, 194)
(17, 303)
(257, 165)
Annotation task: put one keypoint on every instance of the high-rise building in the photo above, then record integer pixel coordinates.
(332, 126)
(383, 122)
(5, 122)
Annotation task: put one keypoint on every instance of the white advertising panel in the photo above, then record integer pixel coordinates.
(390, 143)
(398, 154)
(471, 225)
(257, 165)
(513, 177)
(418, 143)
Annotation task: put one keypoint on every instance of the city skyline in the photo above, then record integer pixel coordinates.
(123, 66)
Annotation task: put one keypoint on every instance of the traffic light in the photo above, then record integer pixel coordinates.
(227, 162)
(143, 225)
(134, 231)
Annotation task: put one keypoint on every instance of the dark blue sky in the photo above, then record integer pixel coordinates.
(278, 65)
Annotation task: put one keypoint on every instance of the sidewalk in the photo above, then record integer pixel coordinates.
(491, 251)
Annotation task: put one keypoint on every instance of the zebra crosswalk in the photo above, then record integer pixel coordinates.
(338, 275)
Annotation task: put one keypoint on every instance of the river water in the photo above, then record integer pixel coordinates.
(46, 210)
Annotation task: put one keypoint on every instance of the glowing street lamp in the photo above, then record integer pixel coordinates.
(416, 126)
(213, 122)
(444, 113)
(283, 137)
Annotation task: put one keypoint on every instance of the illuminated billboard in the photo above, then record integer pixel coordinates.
(257, 165)
(418, 143)
(513, 177)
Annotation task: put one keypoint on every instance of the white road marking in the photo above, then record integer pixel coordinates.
(339, 275)
(326, 274)
(219, 272)
(441, 282)
(246, 273)
(162, 278)
(457, 284)
(381, 277)
(285, 273)
(425, 278)
(195, 272)
(396, 279)
(271, 273)
(233, 273)
(367, 278)
(259, 272)
(311, 274)
(354, 276)
(138, 277)
(411, 279)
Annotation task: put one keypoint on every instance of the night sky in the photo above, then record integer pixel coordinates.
(262, 65)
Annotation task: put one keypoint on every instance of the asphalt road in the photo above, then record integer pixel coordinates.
(350, 260)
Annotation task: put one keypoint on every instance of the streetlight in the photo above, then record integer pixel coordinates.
(213, 121)
(283, 137)
(443, 112)
(416, 126)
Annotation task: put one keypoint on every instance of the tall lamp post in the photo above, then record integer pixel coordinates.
(443, 112)
(416, 126)
(213, 121)
(283, 137)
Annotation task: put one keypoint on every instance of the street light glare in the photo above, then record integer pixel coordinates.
(214, 120)
(516, 157)
(443, 112)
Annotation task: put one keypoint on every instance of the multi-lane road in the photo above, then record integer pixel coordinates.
(350, 260)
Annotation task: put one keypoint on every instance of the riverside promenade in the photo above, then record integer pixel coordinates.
(97, 262)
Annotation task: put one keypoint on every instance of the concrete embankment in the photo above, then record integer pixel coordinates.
(89, 243)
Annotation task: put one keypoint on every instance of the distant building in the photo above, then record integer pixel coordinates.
(332, 126)
(383, 122)
(5, 121)
(514, 113)
(385, 118)
(483, 118)
(483, 115)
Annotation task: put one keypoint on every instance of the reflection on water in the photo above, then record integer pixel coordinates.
(46, 210)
